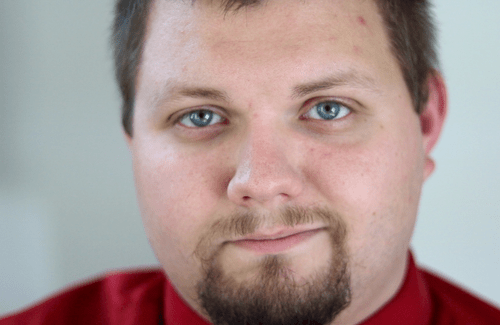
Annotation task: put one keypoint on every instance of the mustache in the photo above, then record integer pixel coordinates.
(242, 224)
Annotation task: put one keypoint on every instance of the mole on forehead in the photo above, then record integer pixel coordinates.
(362, 20)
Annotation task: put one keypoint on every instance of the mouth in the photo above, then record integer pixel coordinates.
(276, 242)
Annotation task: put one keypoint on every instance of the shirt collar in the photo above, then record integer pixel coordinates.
(410, 306)
(177, 311)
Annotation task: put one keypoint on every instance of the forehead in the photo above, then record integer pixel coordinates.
(195, 41)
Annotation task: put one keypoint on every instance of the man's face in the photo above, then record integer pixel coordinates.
(296, 106)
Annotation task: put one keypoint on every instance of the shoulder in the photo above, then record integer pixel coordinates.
(453, 305)
(134, 295)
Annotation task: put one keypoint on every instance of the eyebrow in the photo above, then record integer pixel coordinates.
(172, 92)
(349, 78)
(199, 92)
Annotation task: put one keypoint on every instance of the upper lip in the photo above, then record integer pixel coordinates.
(277, 233)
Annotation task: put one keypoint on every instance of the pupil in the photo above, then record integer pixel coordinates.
(328, 108)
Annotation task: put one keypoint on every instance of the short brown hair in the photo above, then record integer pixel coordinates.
(409, 24)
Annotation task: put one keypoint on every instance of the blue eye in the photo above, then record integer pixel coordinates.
(200, 118)
(328, 110)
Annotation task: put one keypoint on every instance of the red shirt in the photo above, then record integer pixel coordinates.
(147, 297)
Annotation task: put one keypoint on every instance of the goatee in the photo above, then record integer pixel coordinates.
(274, 297)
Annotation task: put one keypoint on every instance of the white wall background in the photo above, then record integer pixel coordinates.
(67, 201)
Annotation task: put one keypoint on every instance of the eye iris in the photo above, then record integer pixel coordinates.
(328, 110)
(201, 117)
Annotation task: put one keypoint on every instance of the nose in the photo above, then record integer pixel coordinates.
(267, 172)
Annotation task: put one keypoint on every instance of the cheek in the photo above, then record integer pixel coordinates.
(375, 185)
(177, 195)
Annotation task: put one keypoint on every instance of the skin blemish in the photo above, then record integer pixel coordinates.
(361, 20)
(357, 50)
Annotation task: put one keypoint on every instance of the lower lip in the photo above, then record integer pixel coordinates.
(273, 246)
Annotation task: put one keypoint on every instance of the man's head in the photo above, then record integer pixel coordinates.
(278, 153)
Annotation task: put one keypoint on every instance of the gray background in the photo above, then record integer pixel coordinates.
(67, 203)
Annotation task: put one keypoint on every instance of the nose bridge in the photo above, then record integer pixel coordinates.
(265, 173)
(263, 154)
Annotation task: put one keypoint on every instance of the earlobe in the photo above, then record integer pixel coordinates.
(433, 116)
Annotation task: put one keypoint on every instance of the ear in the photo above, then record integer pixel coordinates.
(432, 118)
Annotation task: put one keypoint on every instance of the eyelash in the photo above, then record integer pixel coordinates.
(339, 107)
